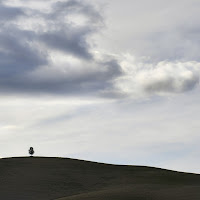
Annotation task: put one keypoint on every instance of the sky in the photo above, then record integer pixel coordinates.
(105, 80)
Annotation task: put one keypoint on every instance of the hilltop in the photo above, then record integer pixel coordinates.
(42, 178)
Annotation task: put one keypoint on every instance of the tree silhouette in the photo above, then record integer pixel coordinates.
(31, 151)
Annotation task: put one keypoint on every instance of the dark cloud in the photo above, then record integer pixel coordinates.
(17, 56)
(76, 7)
(66, 35)
(72, 41)
(9, 13)
(90, 83)
(170, 85)
(24, 50)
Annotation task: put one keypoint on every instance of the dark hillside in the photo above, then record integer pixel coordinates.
(40, 178)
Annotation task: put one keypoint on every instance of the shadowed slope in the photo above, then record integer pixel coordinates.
(41, 178)
(141, 192)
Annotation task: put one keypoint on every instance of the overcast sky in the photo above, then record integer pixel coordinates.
(109, 81)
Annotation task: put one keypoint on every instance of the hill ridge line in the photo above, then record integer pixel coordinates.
(101, 163)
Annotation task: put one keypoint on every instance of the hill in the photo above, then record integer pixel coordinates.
(41, 178)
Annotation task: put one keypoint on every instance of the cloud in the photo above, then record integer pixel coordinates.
(163, 78)
(157, 30)
(32, 46)
(9, 13)
(78, 8)
(70, 23)
(55, 50)
(169, 77)
(17, 55)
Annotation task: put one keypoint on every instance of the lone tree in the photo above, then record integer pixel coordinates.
(31, 151)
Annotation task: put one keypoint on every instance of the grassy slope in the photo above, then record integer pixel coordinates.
(40, 178)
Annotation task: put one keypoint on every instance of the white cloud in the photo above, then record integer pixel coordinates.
(142, 79)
